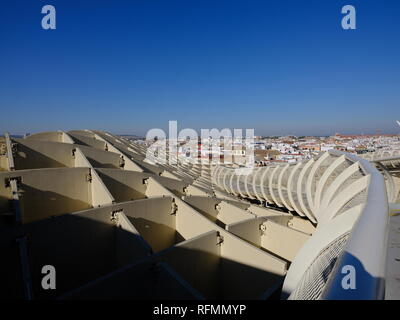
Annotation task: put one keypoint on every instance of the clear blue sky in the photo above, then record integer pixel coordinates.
(280, 67)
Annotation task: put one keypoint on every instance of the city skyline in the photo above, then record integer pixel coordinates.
(257, 134)
(377, 133)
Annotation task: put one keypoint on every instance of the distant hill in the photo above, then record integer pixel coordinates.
(131, 136)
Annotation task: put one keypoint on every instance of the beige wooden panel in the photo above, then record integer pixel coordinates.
(54, 136)
(266, 212)
(129, 243)
(34, 154)
(83, 139)
(281, 240)
(100, 158)
(205, 205)
(248, 230)
(243, 264)
(201, 267)
(154, 221)
(228, 213)
(99, 194)
(48, 192)
(124, 185)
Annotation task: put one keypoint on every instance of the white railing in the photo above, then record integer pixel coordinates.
(333, 189)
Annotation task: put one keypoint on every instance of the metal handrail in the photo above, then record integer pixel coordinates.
(365, 252)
